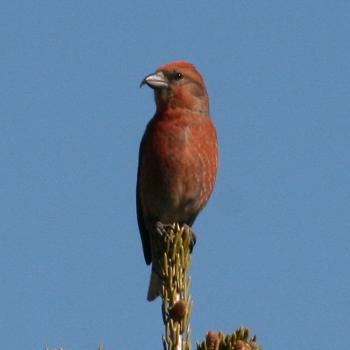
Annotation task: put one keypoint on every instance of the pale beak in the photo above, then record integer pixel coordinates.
(155, 81)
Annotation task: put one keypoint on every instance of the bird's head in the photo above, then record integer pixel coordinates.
(178, 85)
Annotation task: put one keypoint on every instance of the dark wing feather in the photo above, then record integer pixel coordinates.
(146, 244)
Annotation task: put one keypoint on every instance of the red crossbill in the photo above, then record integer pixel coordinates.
(178, 156)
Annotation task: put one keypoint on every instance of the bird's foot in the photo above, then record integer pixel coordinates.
(161, 228)
(193, 236)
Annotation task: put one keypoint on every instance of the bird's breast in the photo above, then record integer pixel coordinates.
(179, 166)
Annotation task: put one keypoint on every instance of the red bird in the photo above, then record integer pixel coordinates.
(178, 156)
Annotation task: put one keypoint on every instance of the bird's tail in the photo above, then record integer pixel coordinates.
(155, 286)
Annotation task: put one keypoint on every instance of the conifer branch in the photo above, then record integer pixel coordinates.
(173, 244)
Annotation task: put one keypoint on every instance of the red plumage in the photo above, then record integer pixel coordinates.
(178, 155)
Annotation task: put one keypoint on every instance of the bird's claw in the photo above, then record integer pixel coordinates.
(161, 228)
(193, 237)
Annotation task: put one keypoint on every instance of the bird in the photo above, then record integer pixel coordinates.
(178, 156)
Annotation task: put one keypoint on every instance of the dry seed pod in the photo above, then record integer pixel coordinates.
(178, 311)
(239, 345)
(211, 340)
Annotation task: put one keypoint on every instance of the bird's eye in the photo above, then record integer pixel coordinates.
(178, 76)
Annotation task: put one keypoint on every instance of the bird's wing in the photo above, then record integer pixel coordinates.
(143, 232)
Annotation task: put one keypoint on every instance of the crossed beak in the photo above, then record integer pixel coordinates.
(155, 81)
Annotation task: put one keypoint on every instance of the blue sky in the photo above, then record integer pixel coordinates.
(273, 249)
